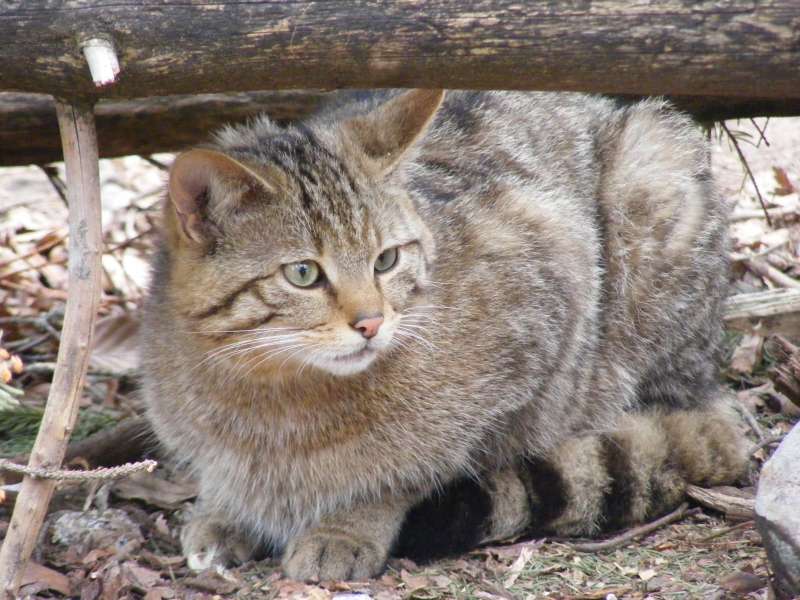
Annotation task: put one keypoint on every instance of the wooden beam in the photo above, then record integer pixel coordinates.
(85, 244)
(699, 47)
(29, 129)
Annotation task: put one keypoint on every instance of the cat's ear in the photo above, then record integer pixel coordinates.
(387, 132)
(202, 182)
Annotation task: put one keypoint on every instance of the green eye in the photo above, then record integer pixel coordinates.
(386, 260)
(302, 274)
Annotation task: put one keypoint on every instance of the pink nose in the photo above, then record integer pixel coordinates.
(369, 326)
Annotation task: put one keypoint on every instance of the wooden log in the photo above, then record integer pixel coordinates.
(702, 47)
(85, 246)
(29, 130)
(774, 311)
(786, 370)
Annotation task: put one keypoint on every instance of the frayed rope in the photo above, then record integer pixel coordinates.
(76, 475)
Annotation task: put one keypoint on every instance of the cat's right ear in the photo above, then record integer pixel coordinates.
(386, 133)
(204, 180)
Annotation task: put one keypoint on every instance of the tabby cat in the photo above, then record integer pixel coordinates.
(414, 323)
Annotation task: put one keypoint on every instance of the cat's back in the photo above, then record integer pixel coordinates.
(627, 184)
(482, 140)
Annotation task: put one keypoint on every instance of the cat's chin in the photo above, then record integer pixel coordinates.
(347, 364)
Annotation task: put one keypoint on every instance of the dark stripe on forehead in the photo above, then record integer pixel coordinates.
(320, 174)
(341, 166)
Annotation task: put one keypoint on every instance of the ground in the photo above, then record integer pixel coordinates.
(125, 545)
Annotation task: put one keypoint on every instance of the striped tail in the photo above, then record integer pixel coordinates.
(587, 486)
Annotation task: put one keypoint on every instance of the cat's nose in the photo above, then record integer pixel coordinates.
(368, 326)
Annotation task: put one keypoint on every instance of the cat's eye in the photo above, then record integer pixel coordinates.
(386, 260)
(302, 274)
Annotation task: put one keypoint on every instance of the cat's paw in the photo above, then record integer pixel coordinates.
(321, 555)
(208, 543)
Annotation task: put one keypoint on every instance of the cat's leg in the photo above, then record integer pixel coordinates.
(209, 540)
(348, 545)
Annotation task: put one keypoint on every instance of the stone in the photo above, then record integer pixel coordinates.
(778, 514)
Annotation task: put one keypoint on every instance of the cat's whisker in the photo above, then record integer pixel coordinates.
(290, 356)
(307, 360)
(403, 344)
(260, 360)
(417, 337)
(257, 329)
(416, 327)
(245, 346)
(242, 347)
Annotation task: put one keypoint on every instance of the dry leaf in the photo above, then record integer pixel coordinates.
(647, 574)
(159, 593)
(155, 490)
(785, 186)
(213, 582)
(116, 344)
(742, 582)
(516, 568)
(36, 573)
(748, 353)
(140, 577)
(161, 525)
(414, 582)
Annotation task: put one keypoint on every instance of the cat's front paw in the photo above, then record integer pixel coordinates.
(208, 542)
(320, 555)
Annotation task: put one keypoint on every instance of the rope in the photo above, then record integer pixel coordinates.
(67, 475)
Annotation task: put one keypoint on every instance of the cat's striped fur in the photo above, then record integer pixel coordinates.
(544, 359)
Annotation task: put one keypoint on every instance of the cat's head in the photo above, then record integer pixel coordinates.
(295, 247)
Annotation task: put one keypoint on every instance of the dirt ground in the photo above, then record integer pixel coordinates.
(120, 540)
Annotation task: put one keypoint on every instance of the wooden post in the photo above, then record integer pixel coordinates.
(79, 141)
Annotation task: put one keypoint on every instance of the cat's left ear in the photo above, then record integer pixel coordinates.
(388, 132)
(206, 183)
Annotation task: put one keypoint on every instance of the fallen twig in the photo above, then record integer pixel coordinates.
(720, 499)
(750, 420)
(767, 271)
(48, 368)
(742, 158)
(61, 261)
(635, 532)
(54, 241)
(775, 439)
(58, 184)
(743, 215)
(726, 531)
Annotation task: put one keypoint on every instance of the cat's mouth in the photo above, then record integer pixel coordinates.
(366, 351)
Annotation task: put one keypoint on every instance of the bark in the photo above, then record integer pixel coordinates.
(773, 311)
(85, 243)
(687, 47)
(29, 129)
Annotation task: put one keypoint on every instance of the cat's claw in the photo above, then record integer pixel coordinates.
(332, 555)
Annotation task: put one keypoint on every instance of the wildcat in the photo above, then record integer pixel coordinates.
(414, 323)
